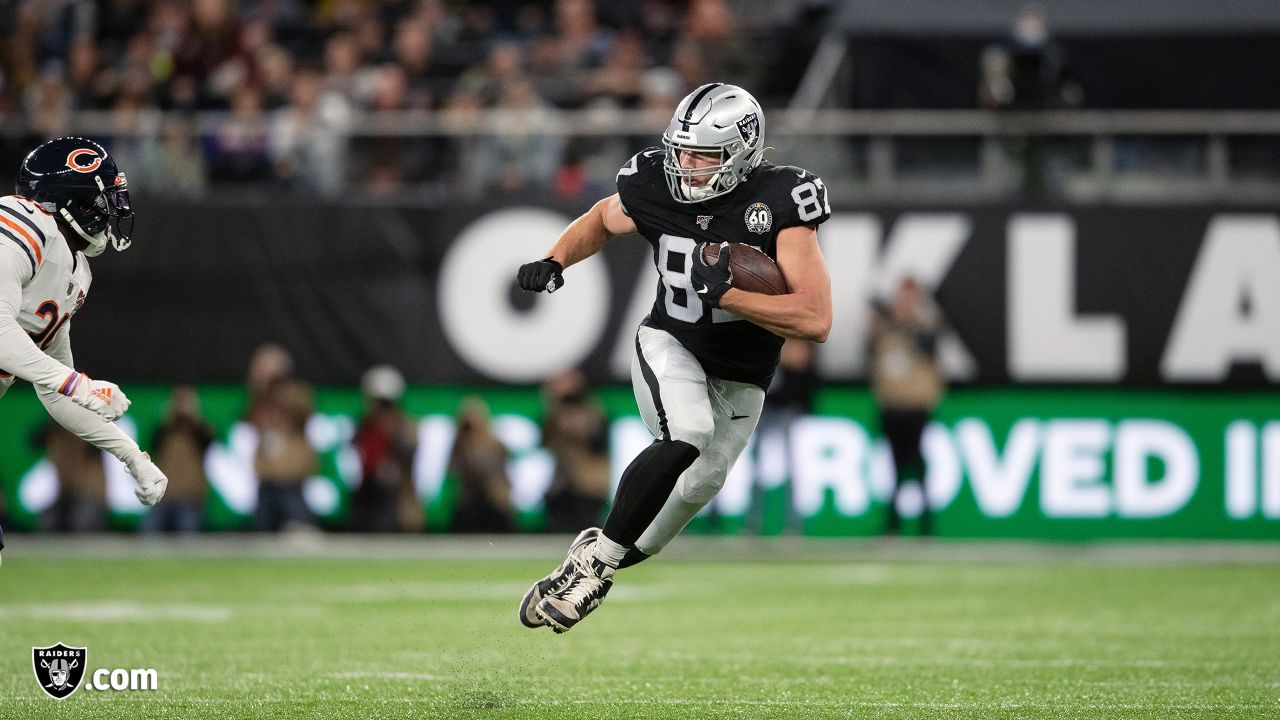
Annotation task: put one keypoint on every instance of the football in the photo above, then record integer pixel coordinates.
(753, 271)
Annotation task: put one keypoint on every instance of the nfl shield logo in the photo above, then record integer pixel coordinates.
(704, 221)
(59, 669)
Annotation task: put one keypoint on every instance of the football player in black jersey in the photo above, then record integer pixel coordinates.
(707, 350)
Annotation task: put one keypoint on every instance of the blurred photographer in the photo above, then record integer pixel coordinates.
(180, 443)
(479, 465)
(574, 429)
(279, 407)
(907, 385)
(386, 441)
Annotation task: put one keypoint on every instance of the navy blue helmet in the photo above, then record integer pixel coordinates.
(78, 182)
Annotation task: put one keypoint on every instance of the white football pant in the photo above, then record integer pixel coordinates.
(678, 401)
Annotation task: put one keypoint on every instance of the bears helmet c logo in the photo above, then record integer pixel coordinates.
(74, 164)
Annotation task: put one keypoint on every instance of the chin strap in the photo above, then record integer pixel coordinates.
(701, 192)
(97, 241)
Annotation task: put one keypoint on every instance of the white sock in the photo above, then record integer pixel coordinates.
(609, 552)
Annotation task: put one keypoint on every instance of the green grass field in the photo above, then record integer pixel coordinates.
(720, 629)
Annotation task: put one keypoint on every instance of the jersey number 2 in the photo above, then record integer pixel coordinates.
(49, 311)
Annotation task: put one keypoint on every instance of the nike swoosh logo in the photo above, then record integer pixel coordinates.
(702, 290)
(738, 417)
(800, 174)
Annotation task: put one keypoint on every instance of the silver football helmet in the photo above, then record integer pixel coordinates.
(716, 119)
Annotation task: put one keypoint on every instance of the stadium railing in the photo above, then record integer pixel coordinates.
(1221, 156)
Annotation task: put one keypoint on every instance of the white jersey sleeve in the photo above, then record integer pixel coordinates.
(19, 356)
(85, 424)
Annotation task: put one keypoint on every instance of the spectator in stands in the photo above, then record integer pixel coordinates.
(660, 90)
(208, 50)
(412, 48)
(175, 163)
(580, 45)
(276, 68)
(386, 441)
(1029, 71)
(526, 152)
(575, 431)
(239, 147)
(618, 79)
(81, 505)
(134, 57)
(279, 407)
(711, 25)
(48, 102)
(478, 463)
(907, 385)
(308, 139)
(180, 443)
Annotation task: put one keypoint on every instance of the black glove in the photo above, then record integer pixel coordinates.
(544, 274)
(711, 282)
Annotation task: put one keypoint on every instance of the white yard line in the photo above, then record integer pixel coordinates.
(699, 548)
(116, 611)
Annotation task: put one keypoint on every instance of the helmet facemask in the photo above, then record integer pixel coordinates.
(699, 184)
(108, 220)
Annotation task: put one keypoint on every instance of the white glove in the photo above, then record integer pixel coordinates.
(103, 398)
(151, 482)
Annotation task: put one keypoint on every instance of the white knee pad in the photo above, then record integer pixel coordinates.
(694, 425)
(704, 478)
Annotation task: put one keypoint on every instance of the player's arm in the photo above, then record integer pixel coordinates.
(21, 357)
(805, 312)
(97, 431)
(583, 238)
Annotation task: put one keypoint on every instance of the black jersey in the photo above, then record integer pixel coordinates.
(772, 198)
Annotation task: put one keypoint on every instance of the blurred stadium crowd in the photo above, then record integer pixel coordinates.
(289, 75)
(279, 405)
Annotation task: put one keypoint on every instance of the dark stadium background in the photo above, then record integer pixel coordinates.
(305, 172)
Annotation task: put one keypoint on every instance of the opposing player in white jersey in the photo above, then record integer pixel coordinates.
(707, 351)
(70, 203)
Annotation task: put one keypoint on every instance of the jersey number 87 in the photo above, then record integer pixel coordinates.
(811, 200)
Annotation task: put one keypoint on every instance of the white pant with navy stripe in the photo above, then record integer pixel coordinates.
(678, 401)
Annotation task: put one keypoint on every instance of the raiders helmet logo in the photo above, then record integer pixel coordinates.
(59, 669)
(749, 128)
(759, 218)
(92, 160)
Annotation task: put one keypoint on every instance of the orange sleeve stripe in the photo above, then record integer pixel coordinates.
(35, 246)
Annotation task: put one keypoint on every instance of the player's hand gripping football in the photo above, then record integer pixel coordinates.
(151, 482)
(711, 282)
(545, 274)
(103, 398)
